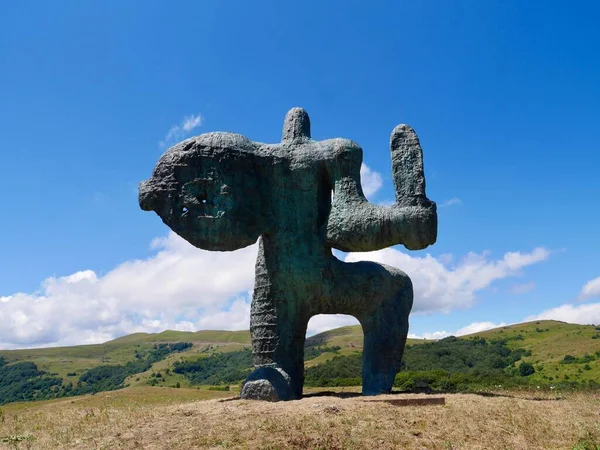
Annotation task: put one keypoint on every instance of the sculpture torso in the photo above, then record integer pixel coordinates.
(300, 198)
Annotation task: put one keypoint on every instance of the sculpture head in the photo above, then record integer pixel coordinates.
(206, 190)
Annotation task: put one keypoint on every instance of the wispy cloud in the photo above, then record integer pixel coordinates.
(585, 314)
(590, 289)
(178, 132)
(441, 286)
(522, 288)
(451, 202)
(211, 290)
(371, 181)
(475, 327)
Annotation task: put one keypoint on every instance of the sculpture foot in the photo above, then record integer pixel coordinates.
(269, 383)
(377, 390)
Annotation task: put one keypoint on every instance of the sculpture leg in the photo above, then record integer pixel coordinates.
(385, 330)
(278, 350)
(278, 324)
(381, 298)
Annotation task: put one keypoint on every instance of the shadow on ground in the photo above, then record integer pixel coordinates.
(344, 395)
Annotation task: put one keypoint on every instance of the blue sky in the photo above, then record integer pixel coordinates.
(504, 96)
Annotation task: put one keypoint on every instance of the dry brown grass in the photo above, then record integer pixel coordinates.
(316, 422)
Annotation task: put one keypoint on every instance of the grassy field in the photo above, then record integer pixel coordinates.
(166, 417)
(163, 418)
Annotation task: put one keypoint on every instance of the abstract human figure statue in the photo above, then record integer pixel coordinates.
(301, 198)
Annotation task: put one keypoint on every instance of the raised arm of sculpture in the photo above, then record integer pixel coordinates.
(356, 225)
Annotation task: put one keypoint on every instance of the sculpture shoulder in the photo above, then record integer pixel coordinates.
(343, 149)
(216, 139)
(225, 140)
(344, 155)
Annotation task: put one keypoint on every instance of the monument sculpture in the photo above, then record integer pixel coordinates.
(300, 199)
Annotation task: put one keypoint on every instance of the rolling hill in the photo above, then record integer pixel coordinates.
(63, 360)
(557, 351)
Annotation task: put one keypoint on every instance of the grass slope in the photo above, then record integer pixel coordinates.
(549, 342)
(64, 360)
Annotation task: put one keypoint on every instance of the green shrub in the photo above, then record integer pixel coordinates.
(110, 377)
(219, 388)
(313, 352)
(23, 381)
(447, 365)
(231, 367)
(526, 369)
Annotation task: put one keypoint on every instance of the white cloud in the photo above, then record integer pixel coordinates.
(446, 258)
(478, 327)
(191, 122)
(324, 322)
(475, 327)
(179, 287)
(522, 288)
(582, 314)
(236, 317)
(178, 132)
(371, 181)
(435, 335)
(451, 202)
(590, 289)
(182, 287)
(442, 287)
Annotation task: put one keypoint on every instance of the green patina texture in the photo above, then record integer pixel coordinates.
(300, 199)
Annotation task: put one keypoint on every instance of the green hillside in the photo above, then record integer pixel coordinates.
(549, 342)
(349, 339)
(558, 352)
(64, 360)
